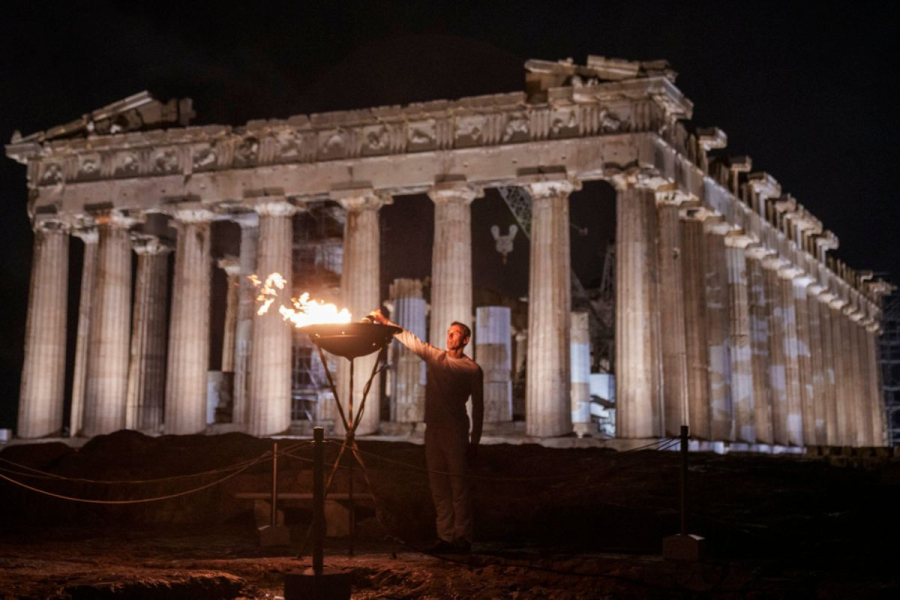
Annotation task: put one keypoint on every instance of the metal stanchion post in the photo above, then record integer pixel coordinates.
(274, 517)
(318, 499)
(318, 583)
(683, 546)
(683, 479)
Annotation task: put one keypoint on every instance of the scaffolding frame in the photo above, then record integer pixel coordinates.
(889, 359)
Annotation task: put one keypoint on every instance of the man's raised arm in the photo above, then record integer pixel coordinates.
(422, 349)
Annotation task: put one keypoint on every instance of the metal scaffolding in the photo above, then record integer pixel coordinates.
(889, 346)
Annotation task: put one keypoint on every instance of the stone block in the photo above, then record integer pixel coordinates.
(684, 547)
(304, 585)
(337, 519)
(279, 535)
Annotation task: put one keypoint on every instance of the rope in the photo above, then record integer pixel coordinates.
(140, 500)
(664, 444)
(38, 474)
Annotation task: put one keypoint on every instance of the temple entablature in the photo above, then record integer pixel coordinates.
(621, 121)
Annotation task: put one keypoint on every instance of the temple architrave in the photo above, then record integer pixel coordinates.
(730, 315)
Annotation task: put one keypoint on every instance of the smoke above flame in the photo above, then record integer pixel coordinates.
(302, 311)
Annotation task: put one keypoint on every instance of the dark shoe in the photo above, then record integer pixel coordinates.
(462, 546)
(440, 547)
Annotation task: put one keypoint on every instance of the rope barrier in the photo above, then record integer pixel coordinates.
(135, 501)
(664, 444)
(38, 474)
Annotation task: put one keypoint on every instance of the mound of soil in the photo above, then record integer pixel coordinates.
(791, 522)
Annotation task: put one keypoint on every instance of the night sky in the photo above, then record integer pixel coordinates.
(807, 91)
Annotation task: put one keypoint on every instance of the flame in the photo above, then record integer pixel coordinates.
(302, 311)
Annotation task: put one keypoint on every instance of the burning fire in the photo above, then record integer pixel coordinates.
(302, 311)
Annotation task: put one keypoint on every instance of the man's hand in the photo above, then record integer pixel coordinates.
(471, 453)
(379, 318)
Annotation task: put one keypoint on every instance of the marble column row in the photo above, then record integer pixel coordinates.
(718, 332)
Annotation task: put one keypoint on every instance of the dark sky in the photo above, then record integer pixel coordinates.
(807, 90)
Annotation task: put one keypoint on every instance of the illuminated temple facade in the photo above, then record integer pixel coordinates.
(730, 315)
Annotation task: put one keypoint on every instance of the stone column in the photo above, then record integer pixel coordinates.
(147, 367)
(451, 259)
(879, 433)
(270, 351)
(817, 365)
(759, 342)
(547, 379)
(581, 373)
(249, 223)
(845, 427)
(44, 369)
(361, 293)
(408, 378)
(791, 355)
(90, 237)
(832, 431)
(493, 351)
(638, 376)
(865, 413)
(804, 359)
(777, 382)
(850, 370)
(860, 416)
(720, 399)
(232, 267)
(740, 347)
(672, 314)
(693, 248)
(188, 355)
(107, 369)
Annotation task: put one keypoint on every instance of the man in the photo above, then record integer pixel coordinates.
(452, 378)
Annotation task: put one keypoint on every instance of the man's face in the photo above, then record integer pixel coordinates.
(456, 338)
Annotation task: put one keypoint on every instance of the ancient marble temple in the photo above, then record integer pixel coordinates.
(731, 316)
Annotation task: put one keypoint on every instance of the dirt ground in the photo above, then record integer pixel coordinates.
(550, 523)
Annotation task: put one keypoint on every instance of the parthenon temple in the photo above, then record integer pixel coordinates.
(730, 315)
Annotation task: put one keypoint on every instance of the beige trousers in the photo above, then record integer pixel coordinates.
(445, 455)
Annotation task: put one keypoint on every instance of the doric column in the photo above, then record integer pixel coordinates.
(638, 376)
(107, 369)
(879, 434)
(451, 259)
(232, 267)
(777, 385)
(817, 365)
(864, 403)
(720, 399)
(804, 358)
(759, 341)
(270, 351)
(791, 355)
(493, 351)
(188, 357)
(693, 251)
(361, 293)
(845, 426)
(581, 373)
(672, 314)
(547, 404)
(44, 369)
(740, 346)
(832, 431)
(408, 377)
(249, 223)
(90, 237)
(860, 416)
(147, 367)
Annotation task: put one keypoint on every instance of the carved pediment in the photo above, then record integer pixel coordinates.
(139, 112)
